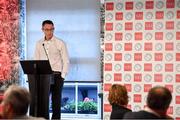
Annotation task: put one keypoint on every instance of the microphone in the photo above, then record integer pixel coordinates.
(45, 51)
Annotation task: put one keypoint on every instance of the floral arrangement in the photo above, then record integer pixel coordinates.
(87, 106)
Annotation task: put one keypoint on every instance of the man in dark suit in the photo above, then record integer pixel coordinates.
(158, 101)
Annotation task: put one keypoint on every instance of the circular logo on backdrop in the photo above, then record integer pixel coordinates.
(137, 67)
(138, 26)
(106, 97)
(117, 67)
(178, 25)
(159, 4)
(158, 47)
(158, 67)
(169, 36)
(108, 77)
(178, 46)
(109, 16)
(108, 57)
(137, 88)
(149, 15)
(169, 15)
(119, 6)
(178, 4)
(128, 36)
(139, 5)
(137, 108)
(147, 78)
(169, 57)
(178, 111)
(145, 97)
(108, 36)
(119, 26)
(106, 117)
(148, 57)
(159, 25)
(118, 47)
(148, 36)
(178, 67)
(127, 77)
(129, 16)
(137, 46)
(127, 57)
(168, 78)
(178, 89)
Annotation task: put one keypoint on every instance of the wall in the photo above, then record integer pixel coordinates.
(10, 45)
(142, 49)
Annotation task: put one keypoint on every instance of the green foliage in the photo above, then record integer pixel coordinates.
(70, 107)
(87, 106)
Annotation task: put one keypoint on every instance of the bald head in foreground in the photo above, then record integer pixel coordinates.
(15, 103)
(158, 101)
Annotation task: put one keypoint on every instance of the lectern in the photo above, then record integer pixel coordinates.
(39, 74)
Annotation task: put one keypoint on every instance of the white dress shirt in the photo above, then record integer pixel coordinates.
(56, 53)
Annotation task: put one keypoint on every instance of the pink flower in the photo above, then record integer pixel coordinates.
(86, 99)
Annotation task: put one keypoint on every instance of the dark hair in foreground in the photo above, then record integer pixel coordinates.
(159, 98)
(118, 95)
(47, 22)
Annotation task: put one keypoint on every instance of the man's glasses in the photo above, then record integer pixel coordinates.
(46, 30)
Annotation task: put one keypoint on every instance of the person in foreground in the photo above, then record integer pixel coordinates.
(53, 49)
(118, 98)
(158, 101)
(15, 103)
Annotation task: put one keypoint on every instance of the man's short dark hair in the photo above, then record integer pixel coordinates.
(47, 22)
(159, 98)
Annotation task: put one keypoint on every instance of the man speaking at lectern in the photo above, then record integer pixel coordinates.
(53, 49)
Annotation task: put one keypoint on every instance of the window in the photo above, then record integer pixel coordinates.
(80, 100)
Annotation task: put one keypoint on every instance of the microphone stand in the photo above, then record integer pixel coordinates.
(45, 51)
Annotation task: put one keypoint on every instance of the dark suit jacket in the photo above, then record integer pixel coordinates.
(118, 112)
(142, 115)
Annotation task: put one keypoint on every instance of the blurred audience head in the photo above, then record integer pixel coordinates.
(118, 95)
(159, 99)
(15, 102)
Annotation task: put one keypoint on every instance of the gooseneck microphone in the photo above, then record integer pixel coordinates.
(45, 51)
